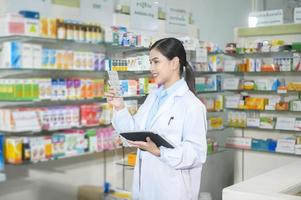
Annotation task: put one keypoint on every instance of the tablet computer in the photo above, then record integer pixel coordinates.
(142, 135)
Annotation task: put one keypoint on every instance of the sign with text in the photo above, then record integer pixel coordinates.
(297, 15)
(98, 11)
(266, 18)
(144, 15)
(176, 20)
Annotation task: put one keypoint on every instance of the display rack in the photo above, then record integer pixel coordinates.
(107, 48)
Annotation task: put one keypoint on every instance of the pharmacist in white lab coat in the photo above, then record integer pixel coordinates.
(174, 112)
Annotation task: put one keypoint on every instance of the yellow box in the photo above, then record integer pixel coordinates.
(132, 159)
(255, 103)
(13, 150)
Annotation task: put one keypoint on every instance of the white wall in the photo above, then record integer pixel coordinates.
(216, 19)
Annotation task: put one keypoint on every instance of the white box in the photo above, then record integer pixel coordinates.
(297, 124)
(26, 121)
(239, 142)
(232, 101)
(37, 56)
(229, 65)
(295, 105)
(253, 122)
(230, 83)
(27, 56)
(285, 123)
(286, 145)
(298, 149)
(32, 27)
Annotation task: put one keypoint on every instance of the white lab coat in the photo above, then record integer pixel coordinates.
(176, 174)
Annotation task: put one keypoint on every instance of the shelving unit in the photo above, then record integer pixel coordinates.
(266, 129)
(24, 73)
(263, 151)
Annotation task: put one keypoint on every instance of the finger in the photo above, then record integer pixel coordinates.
(138, 143)
(109, 94)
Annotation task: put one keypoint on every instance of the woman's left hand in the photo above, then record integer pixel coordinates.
(149, 146)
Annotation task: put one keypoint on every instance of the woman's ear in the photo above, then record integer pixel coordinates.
(175, 63)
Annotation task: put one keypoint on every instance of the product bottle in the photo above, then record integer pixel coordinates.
(82, 33)
(69, 31)
(93, 33)
(26, 149)
(88, 33)
(53, 28)
(61, 29)
(76, 30)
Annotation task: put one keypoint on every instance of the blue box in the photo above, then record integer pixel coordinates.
(258, 144)
(29, 14)
(272, 144)
(1, 152)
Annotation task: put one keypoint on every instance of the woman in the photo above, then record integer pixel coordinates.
(174, 112)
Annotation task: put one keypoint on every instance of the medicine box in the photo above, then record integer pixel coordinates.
(239, 142)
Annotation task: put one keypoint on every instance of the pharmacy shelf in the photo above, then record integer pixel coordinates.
(57, 73)
(262, 54)
(215, 112)
(52, 131)
(272, 111)
(264, 91)
(273, 73)
(2, 69)
(200, 73)
(73, 43)
(123, 162)
(42, 103)
(263, 151)
(216, 130)
(265, 129)
(61, 158)
(207, 92)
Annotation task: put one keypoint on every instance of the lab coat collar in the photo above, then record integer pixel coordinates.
(177, 89)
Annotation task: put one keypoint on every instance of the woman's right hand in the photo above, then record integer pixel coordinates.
(114, 99)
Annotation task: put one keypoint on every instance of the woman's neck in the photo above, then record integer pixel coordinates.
(170, 82)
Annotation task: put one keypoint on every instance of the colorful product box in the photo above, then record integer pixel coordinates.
(11, 55)
(90, 114)
(13, 150)
(11, 24)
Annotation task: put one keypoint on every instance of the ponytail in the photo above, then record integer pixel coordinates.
(189, 77)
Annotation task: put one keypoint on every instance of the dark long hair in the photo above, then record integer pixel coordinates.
(172, 47)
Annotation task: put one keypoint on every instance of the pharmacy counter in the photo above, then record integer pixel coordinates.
(280, 184)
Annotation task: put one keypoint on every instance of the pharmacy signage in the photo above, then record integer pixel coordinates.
(297, 15)
(144, 15)
(98, 11)
(266, 18)
(176, 20)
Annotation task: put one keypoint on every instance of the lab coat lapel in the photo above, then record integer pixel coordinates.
(147, 110)
(167, 105)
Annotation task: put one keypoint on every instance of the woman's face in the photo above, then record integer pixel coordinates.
(162, 69)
